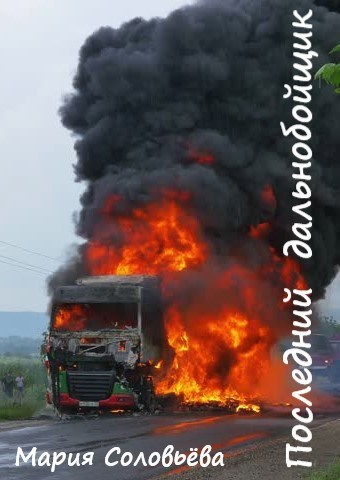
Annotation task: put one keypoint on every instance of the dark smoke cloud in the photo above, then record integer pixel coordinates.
(332, 5)
(207, 78)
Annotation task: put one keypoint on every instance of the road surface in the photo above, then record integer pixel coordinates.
(226, 433)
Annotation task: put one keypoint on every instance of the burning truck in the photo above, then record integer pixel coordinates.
(188, 177)
(106, 336)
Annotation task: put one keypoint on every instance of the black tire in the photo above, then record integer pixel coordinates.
(147, 395)
(62, 412)
(151, 402)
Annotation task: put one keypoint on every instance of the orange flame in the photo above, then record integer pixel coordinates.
(159, 364)
(219, 331)
(248, 407)
(203, 158)
(69, 317)
(159, 238)
(268, 197)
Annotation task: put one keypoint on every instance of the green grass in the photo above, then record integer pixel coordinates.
(32, 402)
(19, 412)
(35, 386)
(331, 473)
(31, 368)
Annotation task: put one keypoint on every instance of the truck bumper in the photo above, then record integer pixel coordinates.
(120, 401)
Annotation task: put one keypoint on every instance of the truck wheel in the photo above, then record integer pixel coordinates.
(62, 412)
(151, 403)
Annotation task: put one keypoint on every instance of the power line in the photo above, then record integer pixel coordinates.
(25, 264)
(28, 251)
(23, 268)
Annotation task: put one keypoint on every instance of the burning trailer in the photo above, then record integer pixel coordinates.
(105, 338)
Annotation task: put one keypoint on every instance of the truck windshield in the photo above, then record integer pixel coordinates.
(93, 316)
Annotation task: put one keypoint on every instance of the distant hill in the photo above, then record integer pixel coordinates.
(335, 313)
(22, 324)
(329, 313)
(20, 346)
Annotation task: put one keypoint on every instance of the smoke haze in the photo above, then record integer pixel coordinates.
(193, 102)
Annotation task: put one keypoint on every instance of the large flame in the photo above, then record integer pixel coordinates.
(70, 317)
(218, 313)
(155, 239)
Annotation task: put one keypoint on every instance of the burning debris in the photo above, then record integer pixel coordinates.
(230, 406)
(178, 141)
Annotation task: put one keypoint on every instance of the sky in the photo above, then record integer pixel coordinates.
(39, 45)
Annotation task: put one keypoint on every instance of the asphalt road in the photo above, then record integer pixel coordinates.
(226, 433)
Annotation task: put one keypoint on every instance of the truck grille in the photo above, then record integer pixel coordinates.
(92, 386)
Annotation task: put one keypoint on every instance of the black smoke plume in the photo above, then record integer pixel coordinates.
(207, 78)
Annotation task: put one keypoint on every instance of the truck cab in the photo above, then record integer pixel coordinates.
(105, 338)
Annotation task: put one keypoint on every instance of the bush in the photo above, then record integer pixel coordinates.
(32, 369)
(330, 72)
(35, 386)
(19, 412)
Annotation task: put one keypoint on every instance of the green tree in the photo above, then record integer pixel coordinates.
(330, 73)
(329, 326)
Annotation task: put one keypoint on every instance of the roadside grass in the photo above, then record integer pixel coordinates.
(331, 473)
(35, 384)
(32, 402)
(19, 412)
